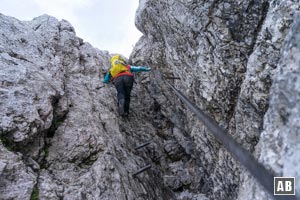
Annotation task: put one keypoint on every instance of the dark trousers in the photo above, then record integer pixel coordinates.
(124, 86)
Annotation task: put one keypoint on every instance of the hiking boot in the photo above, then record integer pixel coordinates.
(121, 107)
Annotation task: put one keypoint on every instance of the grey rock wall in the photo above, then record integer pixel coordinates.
(226, 54)
(61, 137)
(278, 146)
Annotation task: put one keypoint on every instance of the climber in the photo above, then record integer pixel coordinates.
(123, 80)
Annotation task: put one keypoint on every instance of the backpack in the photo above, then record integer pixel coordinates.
(117, 65)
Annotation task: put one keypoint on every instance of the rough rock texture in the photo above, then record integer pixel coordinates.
(278, 146)
(225, 54)
(60, 134)
(61, 137)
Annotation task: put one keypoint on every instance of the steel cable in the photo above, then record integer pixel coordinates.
(257, 170)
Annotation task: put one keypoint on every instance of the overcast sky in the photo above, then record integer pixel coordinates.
(106, 24)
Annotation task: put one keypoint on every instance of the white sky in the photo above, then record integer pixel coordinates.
(105, 24)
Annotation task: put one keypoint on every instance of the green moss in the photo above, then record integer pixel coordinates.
(35, 193)
(9, 145)
(44, 154)
(55, 124)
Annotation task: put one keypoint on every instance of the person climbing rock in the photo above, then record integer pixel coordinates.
(123, 79)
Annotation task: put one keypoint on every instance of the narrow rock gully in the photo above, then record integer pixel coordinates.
(176, 171)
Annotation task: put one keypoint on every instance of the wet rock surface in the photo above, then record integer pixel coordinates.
(61, 136)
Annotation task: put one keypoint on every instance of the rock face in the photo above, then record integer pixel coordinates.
(61, 137)
(228, 55)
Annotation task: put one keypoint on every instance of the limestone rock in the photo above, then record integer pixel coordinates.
(223, 55)
(279, 140)
(61, 136)
(15, 175)
(174, 151)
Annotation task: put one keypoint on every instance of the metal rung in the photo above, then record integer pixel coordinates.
(141, 170)
(142, 145)
(172, 77)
